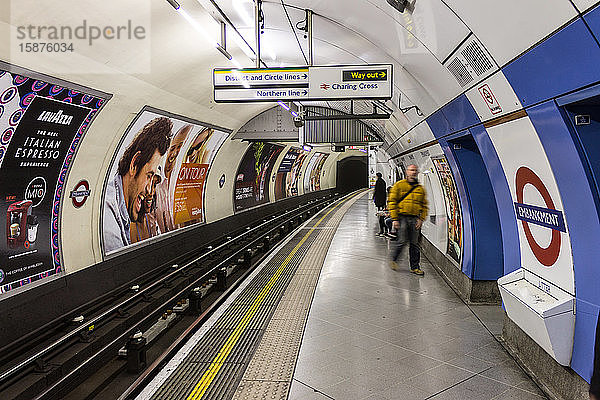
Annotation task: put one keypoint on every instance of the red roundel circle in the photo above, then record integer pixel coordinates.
(79, 201)
(546, 256)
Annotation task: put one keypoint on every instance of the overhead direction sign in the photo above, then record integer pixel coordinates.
(265, 76)
(303, 83)
(364, 75)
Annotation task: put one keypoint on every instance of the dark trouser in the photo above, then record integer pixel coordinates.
(408, 233)
(388, 224)
(382, 227)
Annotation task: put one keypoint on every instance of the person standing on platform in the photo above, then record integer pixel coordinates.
(407, 204)
(380, 198)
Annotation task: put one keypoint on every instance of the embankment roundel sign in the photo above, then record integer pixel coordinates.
(547, 217)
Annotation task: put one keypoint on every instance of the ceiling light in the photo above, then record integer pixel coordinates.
(198, 27)
(240, 8)
(209, 39)
(282, 104)
(174, 4)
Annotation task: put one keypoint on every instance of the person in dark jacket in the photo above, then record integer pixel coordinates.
(380, 200)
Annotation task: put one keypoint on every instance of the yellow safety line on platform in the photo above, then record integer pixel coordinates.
(219, 360)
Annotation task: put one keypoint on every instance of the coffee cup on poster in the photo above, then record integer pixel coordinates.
(32, 228)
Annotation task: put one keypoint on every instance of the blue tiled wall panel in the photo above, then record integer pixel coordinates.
(565, 61)
(438, 124)
(586, 318)
(460, 114)
(487, 239)
(593, 20)
(579, 209)
(508, 222)
(467, 250)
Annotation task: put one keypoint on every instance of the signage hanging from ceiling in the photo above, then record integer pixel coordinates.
(303, 83)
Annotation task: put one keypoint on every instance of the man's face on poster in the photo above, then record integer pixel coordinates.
(140, 185)
(149, 199)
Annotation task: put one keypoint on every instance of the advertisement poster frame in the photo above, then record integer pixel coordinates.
(59, 91)
(163, 113)
(278, 150)
(296, 166)
(450, 191)
(316, 161)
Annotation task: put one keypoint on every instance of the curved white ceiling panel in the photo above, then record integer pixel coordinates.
(325, 31)
(583, 5)
(507, 28)
(434, 77)
(432, 23)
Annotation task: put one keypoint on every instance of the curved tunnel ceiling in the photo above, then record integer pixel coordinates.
(419, 42)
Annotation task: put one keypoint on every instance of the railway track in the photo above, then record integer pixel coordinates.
(101, 348)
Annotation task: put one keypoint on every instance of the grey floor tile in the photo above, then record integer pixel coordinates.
(403, 391)
(374, 397)
(477, 387)
(492, 351)
(299, 391)
(413, 365)
(318, 359)
(517, 394)
(391, 353)
(508, 372)
(450, 373)
(374, 380)
(363, 341)
(388, 335)
(439, 379)
(318, 327)
(324, 342)
(379, 334)
(446, 351)
(348, 391)
(321, 378)
(531, 387)
(349, 351)
(356, 325)
(422, 341)
(469, 363)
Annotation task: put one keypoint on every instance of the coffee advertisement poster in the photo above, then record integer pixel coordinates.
(42, 125)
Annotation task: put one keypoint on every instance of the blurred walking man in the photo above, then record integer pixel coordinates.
(407, 204)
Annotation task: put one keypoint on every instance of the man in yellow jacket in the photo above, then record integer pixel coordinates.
(407, 204)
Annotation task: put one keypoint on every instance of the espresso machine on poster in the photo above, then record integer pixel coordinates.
(17, 216)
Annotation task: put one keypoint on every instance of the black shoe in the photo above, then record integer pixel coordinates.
(391, 236)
